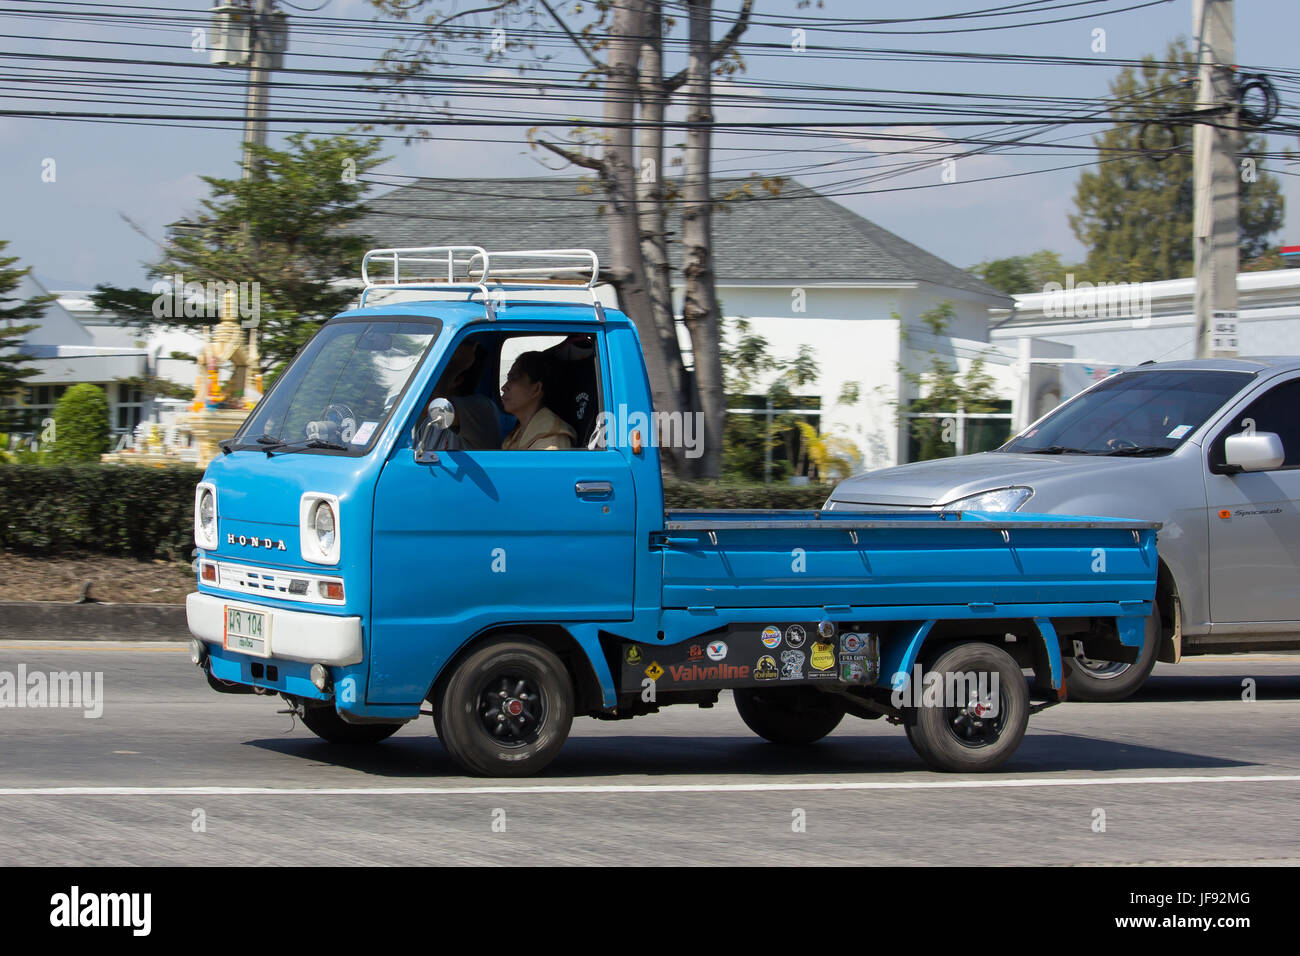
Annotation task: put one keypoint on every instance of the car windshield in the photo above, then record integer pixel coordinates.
(1134, 413)
(340, 389)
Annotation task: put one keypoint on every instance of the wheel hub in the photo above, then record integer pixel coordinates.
(511, 710)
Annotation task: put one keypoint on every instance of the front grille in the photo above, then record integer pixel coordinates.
(272, 582)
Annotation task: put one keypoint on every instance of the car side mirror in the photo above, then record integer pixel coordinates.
(1261, 451)
(441, 415)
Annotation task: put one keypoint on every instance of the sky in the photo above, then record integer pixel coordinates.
(74, 230)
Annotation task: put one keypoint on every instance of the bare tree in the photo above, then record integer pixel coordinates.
(637, 93)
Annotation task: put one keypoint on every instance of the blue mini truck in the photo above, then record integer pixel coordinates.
(369, 550)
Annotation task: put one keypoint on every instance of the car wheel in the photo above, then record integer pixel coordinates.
(1087, 679)
(506, 709)
(326, 724)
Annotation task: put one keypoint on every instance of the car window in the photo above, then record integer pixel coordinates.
(1143, 412)
(1277, 411)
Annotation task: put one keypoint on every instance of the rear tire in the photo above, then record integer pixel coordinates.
(954, 737)
(1107, 681)
(326, 724)
(793, 716)
(506, 709)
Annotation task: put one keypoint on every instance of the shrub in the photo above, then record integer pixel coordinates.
(96, 508)
(80, 425)
(724, 495)
(149, 512)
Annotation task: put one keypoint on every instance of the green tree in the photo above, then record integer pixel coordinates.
(1135, 213)
(285, 229)
(81, 424)
(941, 388)
(14, 363)
(1022, 274)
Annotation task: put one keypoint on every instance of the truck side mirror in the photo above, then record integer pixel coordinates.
(1261, 451)
(441, 416)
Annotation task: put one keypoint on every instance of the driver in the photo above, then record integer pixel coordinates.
(476, 423)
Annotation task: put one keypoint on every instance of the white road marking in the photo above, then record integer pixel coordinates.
(1014, 782)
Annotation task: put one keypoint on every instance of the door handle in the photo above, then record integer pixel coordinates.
(601, 488)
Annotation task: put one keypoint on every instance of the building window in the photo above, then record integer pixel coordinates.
(945, 434)
(38, 402)
(129, 411)
(763, 442)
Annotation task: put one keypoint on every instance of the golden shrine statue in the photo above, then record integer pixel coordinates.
(227, 349)
(221, 404)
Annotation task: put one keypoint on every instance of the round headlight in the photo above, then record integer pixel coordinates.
(323, 522)
(208, 513)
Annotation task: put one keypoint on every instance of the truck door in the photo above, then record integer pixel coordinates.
(1254, 518)
(487, 537)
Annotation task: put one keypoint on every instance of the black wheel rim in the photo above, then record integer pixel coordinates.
(512, 710)
(974, 729)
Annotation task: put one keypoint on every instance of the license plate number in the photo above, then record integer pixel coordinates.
(248, 632)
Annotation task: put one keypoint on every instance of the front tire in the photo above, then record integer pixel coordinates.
(963, 736)
(326, 724)
(793, 716)
(1097, 681)
(506, 709)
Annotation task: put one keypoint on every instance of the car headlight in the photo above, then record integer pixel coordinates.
(323, 523)
(1000, 499)
(318, 527)
(205, 516)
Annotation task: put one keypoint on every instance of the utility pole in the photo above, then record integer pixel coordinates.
(259, 80)
(1215, 172)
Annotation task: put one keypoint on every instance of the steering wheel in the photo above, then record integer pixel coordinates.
(1118, 443)
(337, 418)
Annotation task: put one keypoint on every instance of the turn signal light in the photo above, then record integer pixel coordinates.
(332, 590)
(209, 572)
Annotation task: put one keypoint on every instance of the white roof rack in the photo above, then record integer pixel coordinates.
(491, 274)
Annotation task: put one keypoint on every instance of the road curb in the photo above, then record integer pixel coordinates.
(53, 621)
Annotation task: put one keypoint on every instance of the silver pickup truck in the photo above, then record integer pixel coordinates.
(1210, 447)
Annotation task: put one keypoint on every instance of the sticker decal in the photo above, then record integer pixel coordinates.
(852, 672)
(654, 671)
(765, 669)
(1179, 432)
(633, 655)
(771, 636)
(694, 652)
(859, 657)
(853, 643)
(364, 432)
(717, 650)
(823, 657)
(792, 665)
(795, 636)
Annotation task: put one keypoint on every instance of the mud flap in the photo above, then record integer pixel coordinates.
(1047, 661)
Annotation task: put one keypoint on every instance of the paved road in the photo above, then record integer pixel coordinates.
(1187, 772)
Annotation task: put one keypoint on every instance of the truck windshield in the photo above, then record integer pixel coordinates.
(1134, 413)
(340, 389)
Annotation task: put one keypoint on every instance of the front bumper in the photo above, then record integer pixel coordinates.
(303, 636)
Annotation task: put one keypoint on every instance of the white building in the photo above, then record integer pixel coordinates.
(1085, 334)
(797, 266)
(74, 343)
